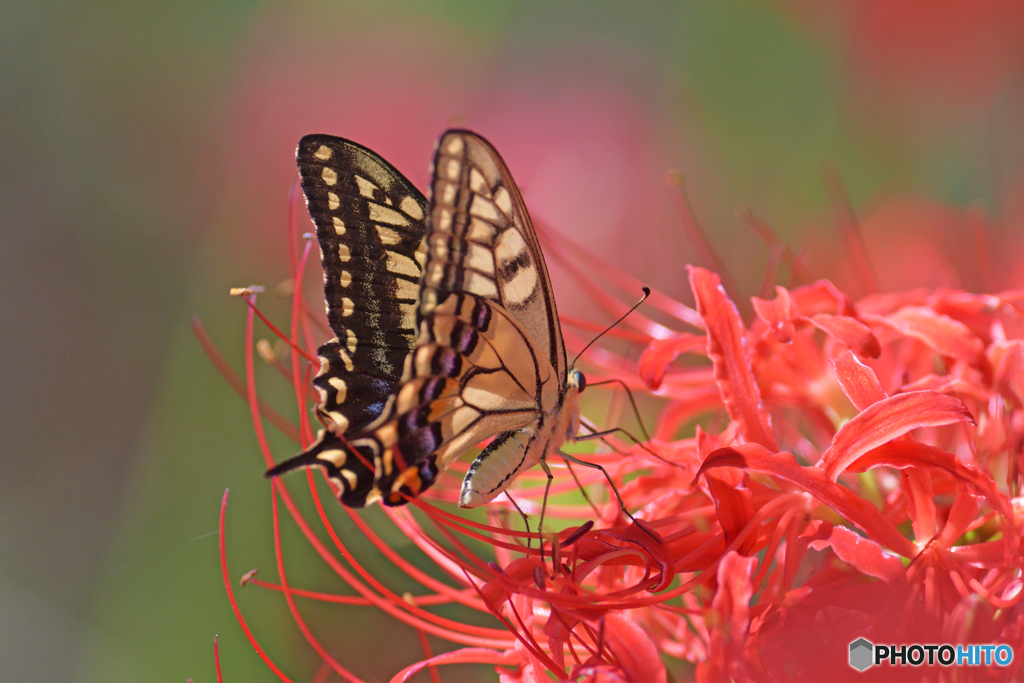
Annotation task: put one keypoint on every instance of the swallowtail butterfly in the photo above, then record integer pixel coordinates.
(445, 322)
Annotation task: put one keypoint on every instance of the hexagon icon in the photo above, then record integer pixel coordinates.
(861, 652)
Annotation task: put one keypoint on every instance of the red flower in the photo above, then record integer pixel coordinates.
(857, 475)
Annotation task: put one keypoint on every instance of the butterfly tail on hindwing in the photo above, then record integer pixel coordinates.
(347, 466)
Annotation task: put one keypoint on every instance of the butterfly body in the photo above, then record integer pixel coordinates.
(446, 328)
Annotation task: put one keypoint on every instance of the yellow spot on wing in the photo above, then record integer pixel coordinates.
(339, 225)
(503, 200)
(452, 169)
(484, 208)
(454, 145)
(387, 235)
(477, 182)
(366, 188)
(401, 264)
(343, 253)
(481, 231)
(479, 258)
(346, 278)
(407, 290)
(323, 153)
(384, 214)
(329, 175)
(421, 254)
(412, 208)
(350, 341)
(481, 285)
(340, 387)
(444, 220)
(350, 478)
(347, 307)
(332, 201)
(335, 456)
(408, 315)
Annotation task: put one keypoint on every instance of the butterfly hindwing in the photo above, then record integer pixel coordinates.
(370, 225)
(474, 373)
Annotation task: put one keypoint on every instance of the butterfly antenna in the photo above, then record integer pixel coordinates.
(647, 293)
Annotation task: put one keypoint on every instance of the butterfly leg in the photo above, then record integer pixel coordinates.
(615, 490)
(579, 484)
(632, 402)
(543, 509)
(568, 458)
(607, 432)
(526, 520)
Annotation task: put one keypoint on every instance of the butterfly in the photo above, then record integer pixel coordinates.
(446, 329)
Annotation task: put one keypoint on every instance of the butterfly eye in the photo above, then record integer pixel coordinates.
(581, 380)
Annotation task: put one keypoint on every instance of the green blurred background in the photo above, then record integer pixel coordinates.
(146, 155)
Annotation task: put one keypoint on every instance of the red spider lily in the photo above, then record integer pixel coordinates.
(864, 482)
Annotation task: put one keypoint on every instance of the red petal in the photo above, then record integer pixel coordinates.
(734, 502)
(917, 487)
(783, 465)
(727, 352)
(731, 607)
(945, 335)
(861, 553)
(821, 297)
(887, 419)
(903, 454)
(633, 649)
(1007, 360)
(965, 509)
(661, 352)
(734, 505)
(777, 314)
(849, 331)
(858, 381)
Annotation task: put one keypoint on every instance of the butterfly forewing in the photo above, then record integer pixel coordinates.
(370, 225)
(481, 241)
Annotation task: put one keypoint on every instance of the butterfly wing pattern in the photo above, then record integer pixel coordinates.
(488, 357)
(371, 227)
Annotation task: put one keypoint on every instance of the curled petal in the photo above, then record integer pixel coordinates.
(821, 297)
(660, 353)
(849, 331)
(734, 505)
(727, 351)
(887, 419)
(859, 382)
(903, 454)
(777, 314)
(783, 465)
(863, 554)
(645, 548)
